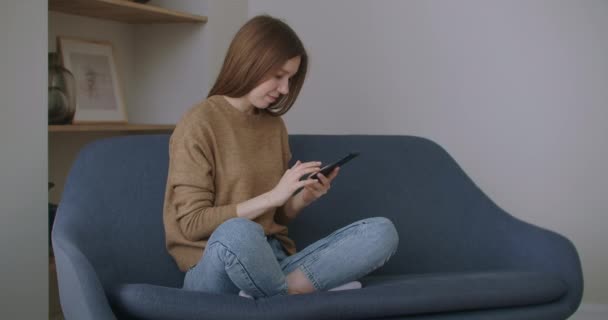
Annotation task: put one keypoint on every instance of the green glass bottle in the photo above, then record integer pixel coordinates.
(62, 92)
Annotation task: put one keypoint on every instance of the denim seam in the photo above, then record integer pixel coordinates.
(244, 270)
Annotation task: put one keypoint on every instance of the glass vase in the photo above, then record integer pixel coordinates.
(62, 92)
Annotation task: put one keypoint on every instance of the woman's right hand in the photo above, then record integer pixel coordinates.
(290, 182)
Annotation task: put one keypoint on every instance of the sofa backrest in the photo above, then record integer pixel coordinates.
(113, 200)
(440, 214)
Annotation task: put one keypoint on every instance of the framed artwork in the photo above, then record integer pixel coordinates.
(99, 97)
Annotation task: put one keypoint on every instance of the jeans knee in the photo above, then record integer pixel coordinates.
(384, 233)
(236, 228)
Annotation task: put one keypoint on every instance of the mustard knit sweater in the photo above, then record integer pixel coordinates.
(220, 156)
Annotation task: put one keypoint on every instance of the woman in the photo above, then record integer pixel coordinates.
(230, 193)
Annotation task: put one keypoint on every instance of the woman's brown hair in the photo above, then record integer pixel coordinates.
(259, 49)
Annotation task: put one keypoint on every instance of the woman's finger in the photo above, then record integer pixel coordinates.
(316, 191)
(302, 172)
(324, 180)
(316, 187)
(305, 183)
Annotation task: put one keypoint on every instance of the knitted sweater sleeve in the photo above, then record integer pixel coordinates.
(191, 186)
(280, 217)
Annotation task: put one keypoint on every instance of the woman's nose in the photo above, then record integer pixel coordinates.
(284, 87)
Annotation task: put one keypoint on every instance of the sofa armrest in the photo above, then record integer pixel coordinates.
(530, 247)
(80, 291)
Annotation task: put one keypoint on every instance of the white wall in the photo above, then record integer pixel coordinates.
(170, 66)
(228, 17)
(175, 65)
(516, 91)
(23, 165)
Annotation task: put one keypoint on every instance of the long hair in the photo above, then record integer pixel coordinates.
(259, 49)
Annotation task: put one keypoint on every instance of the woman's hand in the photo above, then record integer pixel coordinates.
(315, 191)
(290, 182)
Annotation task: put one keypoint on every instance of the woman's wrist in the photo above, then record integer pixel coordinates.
(296, 204)
(254, 207)
(270, 199)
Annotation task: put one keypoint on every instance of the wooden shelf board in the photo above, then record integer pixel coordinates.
(123, 11)
(110, 127)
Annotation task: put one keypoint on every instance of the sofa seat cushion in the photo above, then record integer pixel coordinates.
(381, 296)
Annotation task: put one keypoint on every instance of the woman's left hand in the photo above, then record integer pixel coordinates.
(315, 191)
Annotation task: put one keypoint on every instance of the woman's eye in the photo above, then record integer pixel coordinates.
(278, 76)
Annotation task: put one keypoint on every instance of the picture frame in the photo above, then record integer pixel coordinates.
(99, 97)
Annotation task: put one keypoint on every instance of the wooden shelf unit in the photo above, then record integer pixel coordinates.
(123, 11)
(110, 127)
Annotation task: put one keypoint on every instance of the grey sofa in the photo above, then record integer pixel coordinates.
(460, 256)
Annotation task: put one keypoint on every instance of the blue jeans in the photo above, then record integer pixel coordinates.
(239, 256)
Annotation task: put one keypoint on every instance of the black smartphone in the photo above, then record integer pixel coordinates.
(326, 170)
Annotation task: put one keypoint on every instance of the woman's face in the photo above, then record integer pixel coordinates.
(275, 86)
